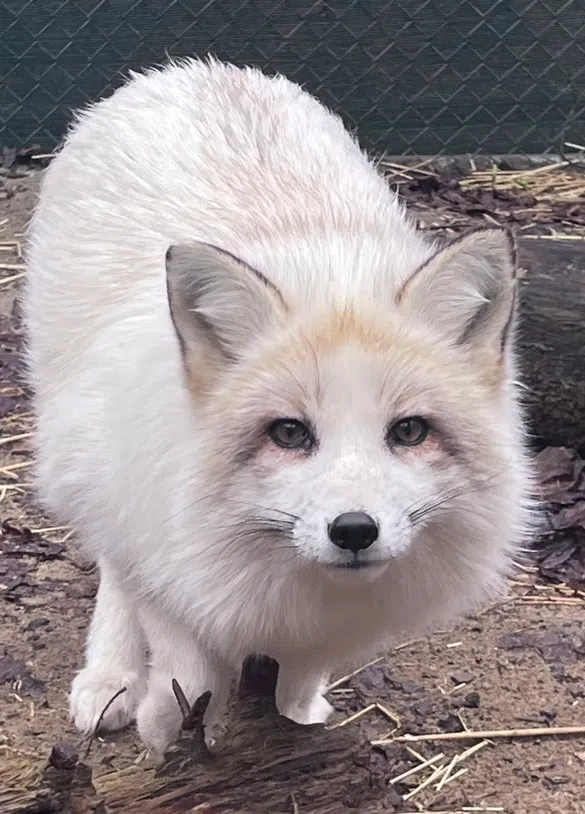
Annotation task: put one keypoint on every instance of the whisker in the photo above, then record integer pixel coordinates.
(420, 511)
(425, 508)
(436, 512)
(267, 509)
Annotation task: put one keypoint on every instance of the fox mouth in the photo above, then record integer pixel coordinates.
(357, 564)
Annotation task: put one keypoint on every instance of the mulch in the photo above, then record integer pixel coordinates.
(547, 199)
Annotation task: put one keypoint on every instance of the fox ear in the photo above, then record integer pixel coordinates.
(217, 299)
(467, 291)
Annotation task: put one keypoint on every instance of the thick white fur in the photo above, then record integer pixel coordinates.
(201, 151)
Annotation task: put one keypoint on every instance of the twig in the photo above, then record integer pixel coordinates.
(120, 692)
(416, 769)
(345, 678)
(9, 439)
(463, 810)
(184, 705)
(574, 146)
(9, 470)
(447, 773)
(415, 754)
(555, 237)
(457, 760)
(353, 717)
(452, 777)
(487, 734)
(406, 644)
(193, 718)
(11, 279)
(192, 715)
(430, 779)
(551, 600)
(392, 716)
(49, 529)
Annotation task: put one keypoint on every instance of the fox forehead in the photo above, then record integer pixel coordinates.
(297, 368)
(343, 362)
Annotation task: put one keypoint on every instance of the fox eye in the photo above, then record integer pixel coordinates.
(289, 433)
(408, 432)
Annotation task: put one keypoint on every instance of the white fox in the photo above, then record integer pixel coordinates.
(282, 421)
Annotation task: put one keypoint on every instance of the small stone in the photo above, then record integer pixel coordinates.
(557, 670)
(410, 688)
(424, 708)
(450, 723)
(32, 686)
(34, 624)
(462, 678)
(471, 700)
(393, 800)
(63, 755)
(11, 669)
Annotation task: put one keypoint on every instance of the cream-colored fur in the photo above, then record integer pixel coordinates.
(296, 288)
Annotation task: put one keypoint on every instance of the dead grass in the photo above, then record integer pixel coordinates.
(557, 183)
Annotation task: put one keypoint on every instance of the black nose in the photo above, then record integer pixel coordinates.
(353, 531)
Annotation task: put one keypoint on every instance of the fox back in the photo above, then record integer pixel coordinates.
(270, 403)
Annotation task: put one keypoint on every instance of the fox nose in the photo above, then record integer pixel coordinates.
(353, 531)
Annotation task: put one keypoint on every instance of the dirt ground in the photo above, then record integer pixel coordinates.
(519, 664)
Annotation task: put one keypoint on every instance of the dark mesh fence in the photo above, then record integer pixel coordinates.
(414, 76)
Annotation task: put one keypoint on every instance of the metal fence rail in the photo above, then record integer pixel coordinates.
(414, 76)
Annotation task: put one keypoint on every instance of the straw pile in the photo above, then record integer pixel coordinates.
(554, 184)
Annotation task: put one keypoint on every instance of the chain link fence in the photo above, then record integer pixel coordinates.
(413, 76)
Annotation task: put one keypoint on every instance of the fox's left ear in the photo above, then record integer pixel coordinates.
(217, 301)
(467, 291)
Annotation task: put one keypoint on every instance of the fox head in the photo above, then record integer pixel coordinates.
(356, 433)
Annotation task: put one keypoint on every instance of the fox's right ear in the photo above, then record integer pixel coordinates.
(467, 291)
(218, 300)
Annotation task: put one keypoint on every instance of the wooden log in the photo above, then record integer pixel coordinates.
(552, 339)
(263, 764)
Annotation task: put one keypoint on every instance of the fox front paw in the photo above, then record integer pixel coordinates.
(159, 723)
(317, 711)
(92, 691)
